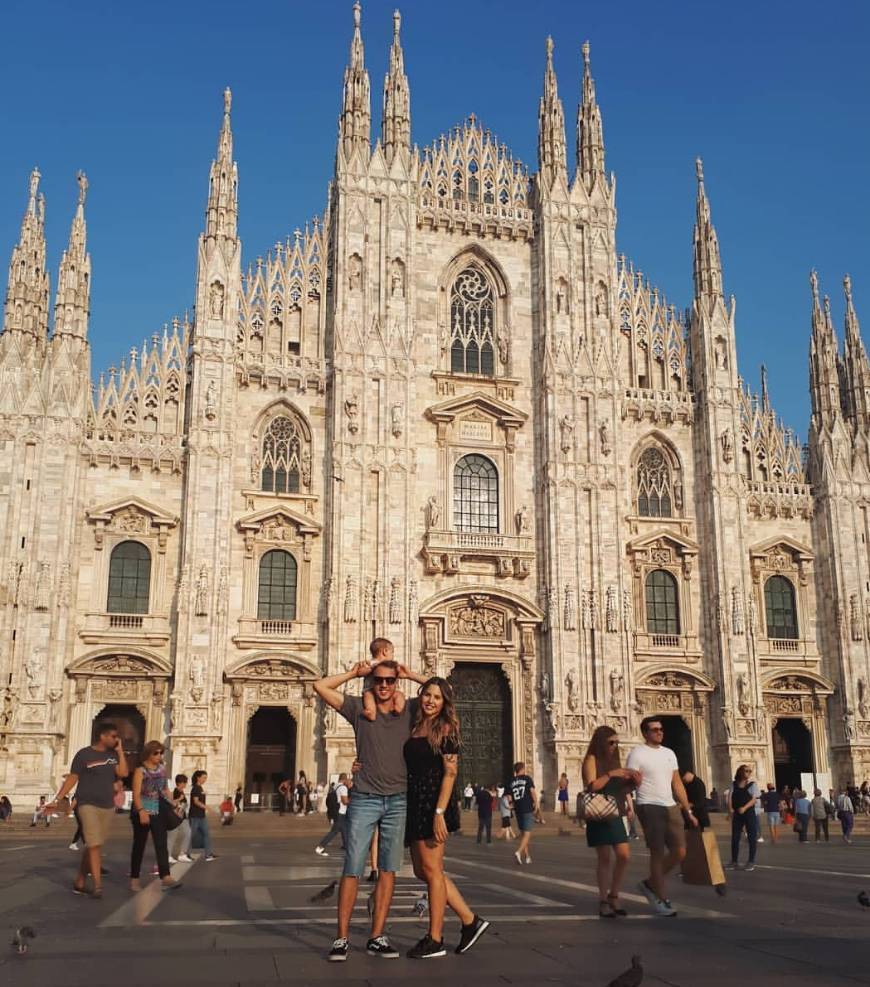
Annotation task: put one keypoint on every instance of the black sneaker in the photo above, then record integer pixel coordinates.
(471, 933)
(380, 946)
(427, 949)
(373, 876)
(338, 953)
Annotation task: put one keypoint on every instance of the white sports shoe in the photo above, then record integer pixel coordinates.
(186, 857)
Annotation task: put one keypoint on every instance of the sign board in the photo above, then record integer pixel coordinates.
(470, 429)
(255, 798)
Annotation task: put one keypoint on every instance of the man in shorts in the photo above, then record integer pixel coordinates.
(525, 802)
(94, 770)
(379, 797)
(770, 803)
(661, 788)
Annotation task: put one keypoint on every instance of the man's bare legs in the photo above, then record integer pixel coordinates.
(347, 892)
(523, 848)
(660, 866)
(91, 863)
(347, 895)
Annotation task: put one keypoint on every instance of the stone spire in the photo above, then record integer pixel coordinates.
(355, 122)
(824, 362)
(73, 301)
(551, 125)
(855, 366)
(396, 120)
(708, 266)
(26, 307)
(222, 212)
(590, 132)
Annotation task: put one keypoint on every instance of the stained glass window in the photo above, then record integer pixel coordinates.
(653, 485)
(471, 320)
(475, 494)
(281, 449)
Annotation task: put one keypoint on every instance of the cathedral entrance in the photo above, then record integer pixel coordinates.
(678, 737)
(271, 756)
(792, 751)
(483, 703)
(131, 729)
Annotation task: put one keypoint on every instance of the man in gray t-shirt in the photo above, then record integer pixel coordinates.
(378, 797)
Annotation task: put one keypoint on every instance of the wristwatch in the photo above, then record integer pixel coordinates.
(439, 812)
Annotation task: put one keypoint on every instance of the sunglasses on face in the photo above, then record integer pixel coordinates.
(385, 680)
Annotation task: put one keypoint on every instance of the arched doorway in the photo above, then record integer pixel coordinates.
(271, 755)
(483, 703)
(131, 729)
(678, 736)
(792, 751)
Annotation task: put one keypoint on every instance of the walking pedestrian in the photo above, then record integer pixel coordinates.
(602, 773)
(431, 756)
(239, 797)
(821, 809)
(149, 786)
(846, 815)
(563, 794)
(92, 774)
(741, 812)
(379, 793)
(338, 818)
(658, 802)
(196, 816)
(770, 801)
(484, 797)
(285, 796)
(525, 803)
(505, 807)
(179, 838)
(467, 796)
(802, 815)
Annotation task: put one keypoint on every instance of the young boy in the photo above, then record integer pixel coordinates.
(381, 650)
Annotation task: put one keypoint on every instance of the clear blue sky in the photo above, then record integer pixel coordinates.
(774, 96)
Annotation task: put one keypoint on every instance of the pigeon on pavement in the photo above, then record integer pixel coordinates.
(632, 977)
(863, 899)
(325, 894)
(21, 937)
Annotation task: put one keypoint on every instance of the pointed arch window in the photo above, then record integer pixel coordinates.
(654, 485)
(662, 606)
(475, 494)
(276, 592)
(472, 308)
(282, 446)
(780, 608)
(129, 578)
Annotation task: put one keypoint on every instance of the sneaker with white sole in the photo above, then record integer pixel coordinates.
(664, 907)
(471, 933)
(211, 856)
(320, 851)
(380, 946)
(338, 953)
(760, 839)
(185, 858)
(528, 859)
(427, 949)
(749, 867)
(74, 846)
(518, 858)
(173, 860)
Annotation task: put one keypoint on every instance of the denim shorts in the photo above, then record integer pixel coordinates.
(366, 812)
(526, 821)
(773, 818)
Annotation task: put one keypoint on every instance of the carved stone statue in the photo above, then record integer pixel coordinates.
(736, 611)
(43, 586)
(350, 600)
(211, 401)
(849, 724)
(627, 610)
(546, 693)
(34, 671)
(504, 349)
(521, 519)
(617, 690)
(395, 600)
(854, 618)
(610, 613)
(861, 688)
(351, 409)
(570, 615)
(305, 466)
(197, 677)
(200, 607)
(566, 432)
(354, 272)
(727, 442)
(742, 694)
(586, 610)
(604, 438)
(216, 300)
(396, 420)
(572, 684)
(433, 514)
(397, 280)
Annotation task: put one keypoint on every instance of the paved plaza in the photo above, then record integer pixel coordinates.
(246, 917)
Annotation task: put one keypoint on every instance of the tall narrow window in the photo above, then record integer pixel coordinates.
(779, 604)
(472, 349)
(276, 594)
(653, 485)
(129, 578)
(475, 494)
(662, 608)
(282, 445)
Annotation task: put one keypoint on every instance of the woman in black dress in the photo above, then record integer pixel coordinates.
(431, 755)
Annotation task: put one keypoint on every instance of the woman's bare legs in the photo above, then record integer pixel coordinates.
(621, 854)
(428, 860)
(602, 871)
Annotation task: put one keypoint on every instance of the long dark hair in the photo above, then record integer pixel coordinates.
(445, 726)
(606, 757)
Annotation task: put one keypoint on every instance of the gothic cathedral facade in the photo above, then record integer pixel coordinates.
(451, 414)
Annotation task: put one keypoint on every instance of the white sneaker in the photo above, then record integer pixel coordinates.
(173, 860)
(518, 858)
(528, 859)
(320, 851)
(664, 908)
(74, 846)
(760, 839)
(186, 857)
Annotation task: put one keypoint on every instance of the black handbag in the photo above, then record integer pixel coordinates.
(168, 816)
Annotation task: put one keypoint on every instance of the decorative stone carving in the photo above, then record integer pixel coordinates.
(350, 600)
(211, 401)
(751, 614)
(504, 349)
(396, 420)
(351, 411)
(397, 279)
(63, 586)
(726, 441)
(617, 690)
(610, 612)
(34, 671)
(855, 618)
(572, 685)
(200, 608)
(305, 466)
(54, 698)
(736, 611)
(43, 587)
(223, 591)
(570, 615)
(413, 603)
(395, 606)
(743, 704)
(521, 520)
(433, 514)
(272, 691)
(216, 300)
(604, 438)
(477, 619)
(586, 609)
(849, 725)
(354, 272)
(197, 677)
(627, 610)
(121, 665)
(861, 690)
(566, 432)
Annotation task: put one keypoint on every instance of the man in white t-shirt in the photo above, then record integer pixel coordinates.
(660, 789)
(339, 823)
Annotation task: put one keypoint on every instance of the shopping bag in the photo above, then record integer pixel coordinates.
(702, 864)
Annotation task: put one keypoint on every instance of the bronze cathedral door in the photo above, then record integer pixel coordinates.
(483, 702)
